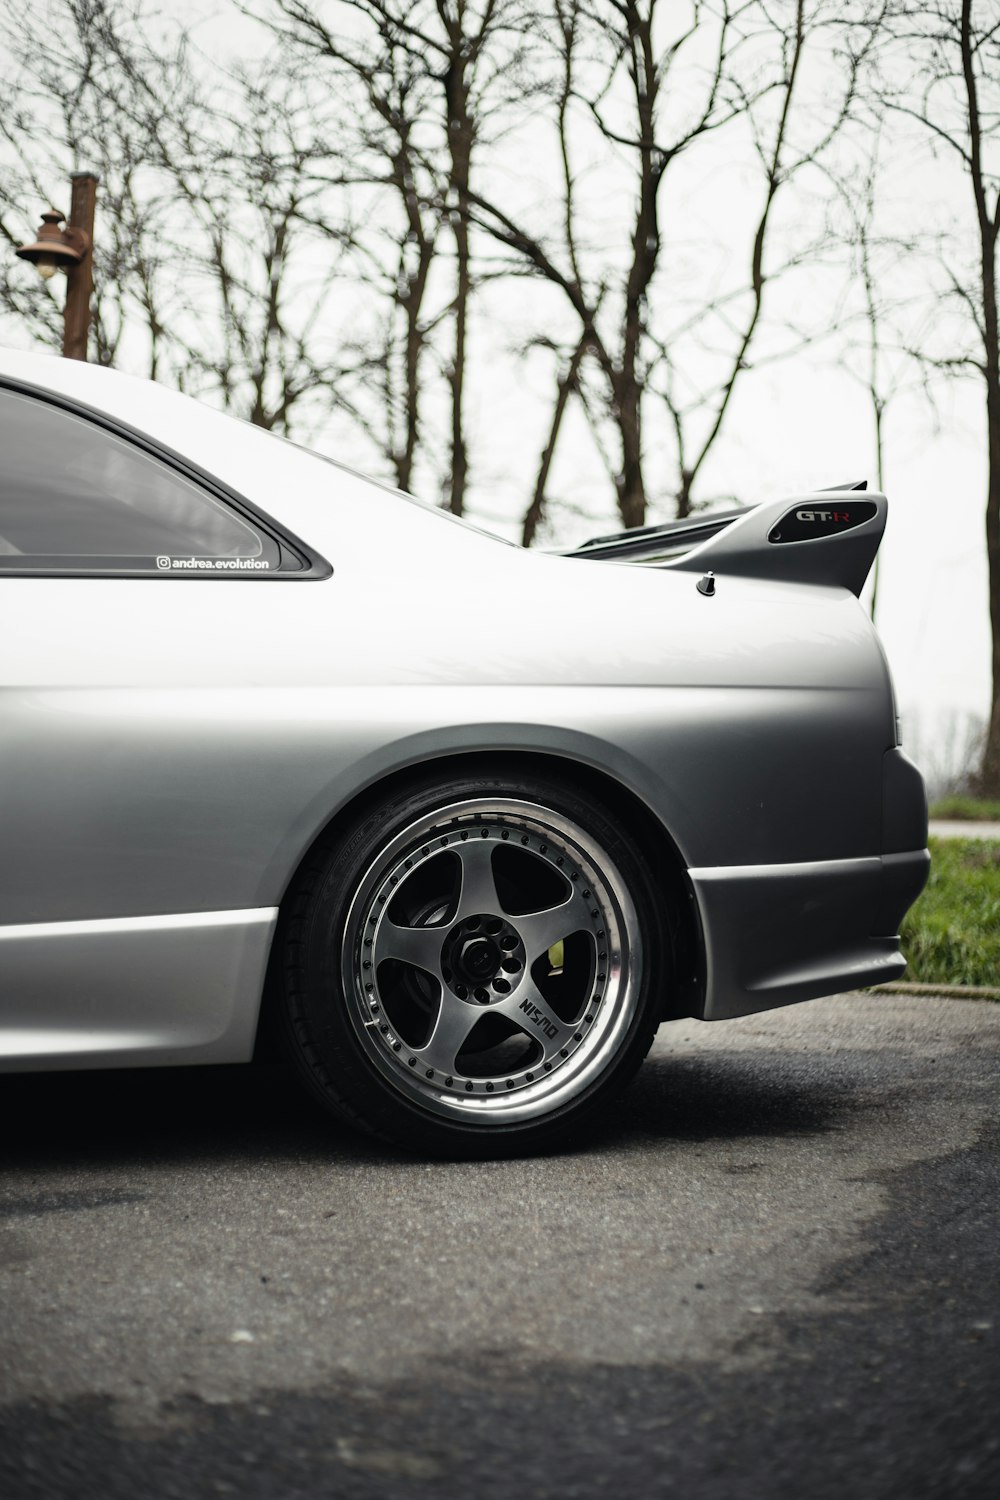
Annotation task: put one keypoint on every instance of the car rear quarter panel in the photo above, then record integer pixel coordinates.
(177, 745)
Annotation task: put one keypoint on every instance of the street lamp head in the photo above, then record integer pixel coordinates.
(55, 249)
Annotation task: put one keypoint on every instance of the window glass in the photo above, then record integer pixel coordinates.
(74, 497)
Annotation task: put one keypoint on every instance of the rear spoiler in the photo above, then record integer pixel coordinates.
(801, 539)
(669, 539)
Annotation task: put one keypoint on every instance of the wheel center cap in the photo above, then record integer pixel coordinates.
(479, 957)
(482, 958)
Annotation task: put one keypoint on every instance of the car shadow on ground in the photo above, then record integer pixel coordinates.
(260, 1114)
(734, 1095)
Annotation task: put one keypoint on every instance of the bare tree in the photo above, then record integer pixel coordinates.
(617, 37)
(942, 70)
(433, 73)
(385, 90)
(208, 193)
(53, 118)
(654, 96)
(877, 387)
(792, 132)
(877, 332)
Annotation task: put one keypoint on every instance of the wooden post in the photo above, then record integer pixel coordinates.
(80, 278)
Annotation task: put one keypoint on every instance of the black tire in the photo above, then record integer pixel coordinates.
(475, 967)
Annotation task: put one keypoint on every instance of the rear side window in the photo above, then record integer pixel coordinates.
(76, 498)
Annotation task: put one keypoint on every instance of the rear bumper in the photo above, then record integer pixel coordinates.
(775, 934)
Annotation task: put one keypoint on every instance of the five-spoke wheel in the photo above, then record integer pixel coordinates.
(472, 968)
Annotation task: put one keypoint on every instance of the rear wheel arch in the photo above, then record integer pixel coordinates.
(684, 980)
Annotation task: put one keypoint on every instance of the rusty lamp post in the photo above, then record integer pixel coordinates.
(70, 250)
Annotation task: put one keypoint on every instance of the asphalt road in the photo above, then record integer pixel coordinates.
(772, 1274)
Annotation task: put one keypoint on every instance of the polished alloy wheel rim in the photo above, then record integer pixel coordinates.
(491, 961)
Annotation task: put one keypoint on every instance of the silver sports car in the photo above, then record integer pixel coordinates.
(285, 752)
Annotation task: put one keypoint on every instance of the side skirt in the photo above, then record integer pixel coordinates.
(133, 991)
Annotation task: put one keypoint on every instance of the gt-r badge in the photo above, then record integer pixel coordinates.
(807, 523)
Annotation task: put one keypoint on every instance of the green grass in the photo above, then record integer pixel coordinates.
(971, 809)
(952, 934)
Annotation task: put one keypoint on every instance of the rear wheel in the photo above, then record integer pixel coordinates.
(474, 968)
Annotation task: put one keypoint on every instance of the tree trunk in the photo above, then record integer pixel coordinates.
(460, 140)
(989, 226)
(459, 454)
(564, 389)
(628, 385)
(989, 775)
(877, 412)
(631, 488)
(412, 302)
(684, 502)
